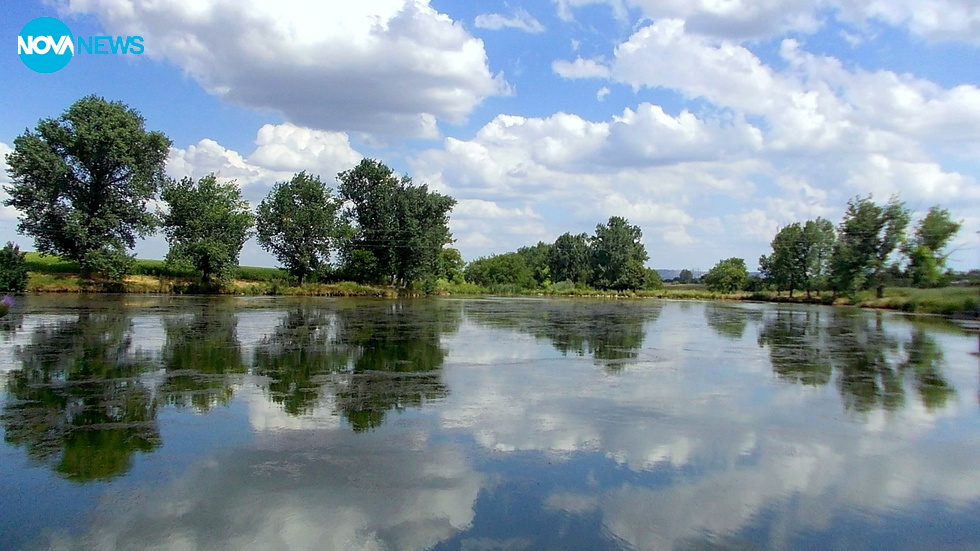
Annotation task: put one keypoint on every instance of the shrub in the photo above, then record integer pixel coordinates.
(13, 269)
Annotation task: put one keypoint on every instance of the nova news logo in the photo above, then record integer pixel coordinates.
(46, 45)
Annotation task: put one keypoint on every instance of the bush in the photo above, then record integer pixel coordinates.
(13, 269)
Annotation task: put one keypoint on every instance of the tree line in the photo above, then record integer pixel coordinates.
(612, 258)
(82, 183)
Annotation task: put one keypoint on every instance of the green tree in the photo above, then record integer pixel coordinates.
(570, 259)
(686, 276)
(618, 255)
(866, 238)
(398, 229)
(206, 225)
(81, 183)
(298, 223)
(801, 256)
(536, 258)
(13, 269)
(499, 270)
(925, 249)
(780, 268)
(451, 265)
(727, 275)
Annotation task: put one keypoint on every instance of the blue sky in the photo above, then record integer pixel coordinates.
(708, 123)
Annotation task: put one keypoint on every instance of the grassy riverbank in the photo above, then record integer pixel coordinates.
(51, 274)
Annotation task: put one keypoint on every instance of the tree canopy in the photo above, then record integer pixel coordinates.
(81, 183)
(618, 255)
(398, 228)
(206, 225)
(926, 247)
(298, 223)
(866, 239)
(727, 275)
(800, 256)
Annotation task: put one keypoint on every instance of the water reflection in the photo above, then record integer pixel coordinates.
(872, 367)
(727, 320)
(200, 352)
(75, 401)
(513, 441)
(611, 331)
(373, 358)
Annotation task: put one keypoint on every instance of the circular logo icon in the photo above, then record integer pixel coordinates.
(45, 45)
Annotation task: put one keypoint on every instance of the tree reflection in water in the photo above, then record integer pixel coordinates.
(372, 357)
(612, 332)
(871, 367)
(200, 354)
(75, 401)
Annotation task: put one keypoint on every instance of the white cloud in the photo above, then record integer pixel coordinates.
(580, 68)
(389, 67)
(281, 151)
(602, 93)
(521, 20)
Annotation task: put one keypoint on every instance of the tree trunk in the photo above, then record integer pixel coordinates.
(880, 291)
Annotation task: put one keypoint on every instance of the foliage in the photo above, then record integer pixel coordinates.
(570, 259)
(618, 255)
(398, 229)
(537, 259)
(800, 257)
(727, 276)
(451, 266)
(500, 270)
(81, 183)
(925, 249)
(13, 269)
(297, 223)
(206, 225)
(686, 276)
(866, 238)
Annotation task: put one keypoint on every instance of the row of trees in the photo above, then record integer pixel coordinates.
(82, 183)
(612, 258)
(861, 253)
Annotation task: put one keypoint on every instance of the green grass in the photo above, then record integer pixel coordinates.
(47, 264)
(944, 300)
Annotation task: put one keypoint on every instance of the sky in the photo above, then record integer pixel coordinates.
(708, 123)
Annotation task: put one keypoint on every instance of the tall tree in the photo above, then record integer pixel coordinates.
(686, 276)
(926, 247)
(618, 255)
(570, 259)
(866, 239)
(727, 275)
(800, 257)
(779, 268)
(399, 228)
(298, 223)
(81, 183)
(206, 225)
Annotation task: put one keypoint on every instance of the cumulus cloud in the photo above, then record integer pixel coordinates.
(280, 151)
(520, 20)
(392, 67)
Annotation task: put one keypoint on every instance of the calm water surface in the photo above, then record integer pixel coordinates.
(187, 423)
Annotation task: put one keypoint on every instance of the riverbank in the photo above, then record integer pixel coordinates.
(52, 275)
